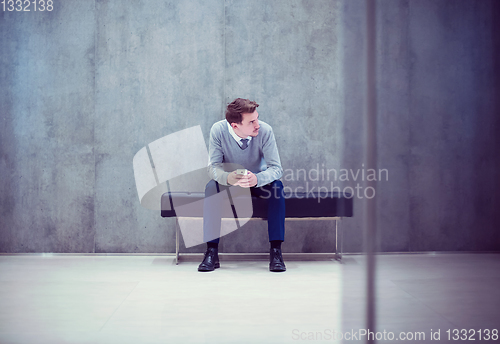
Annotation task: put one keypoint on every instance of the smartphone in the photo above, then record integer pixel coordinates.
(242, 171)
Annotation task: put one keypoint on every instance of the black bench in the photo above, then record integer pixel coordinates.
(299, 206)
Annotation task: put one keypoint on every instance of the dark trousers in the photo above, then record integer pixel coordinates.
(273, 192)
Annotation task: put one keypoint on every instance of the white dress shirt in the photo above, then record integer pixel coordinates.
(236, 137)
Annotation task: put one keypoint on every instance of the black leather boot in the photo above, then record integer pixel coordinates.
(276, 263)
(211, 260)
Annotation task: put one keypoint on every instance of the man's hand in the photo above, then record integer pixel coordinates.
(245, 181)
(248, 181)
(234, 178)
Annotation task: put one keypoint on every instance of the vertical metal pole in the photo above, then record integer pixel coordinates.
(336, 241)
(341, 238)
(176, 241)
(370, 163)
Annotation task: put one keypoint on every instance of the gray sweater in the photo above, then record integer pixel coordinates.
(261, 156)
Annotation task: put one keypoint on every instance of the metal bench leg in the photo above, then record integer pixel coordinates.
(176, 241)
(341, 239)
(338, 255)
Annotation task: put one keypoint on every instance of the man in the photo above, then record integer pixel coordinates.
(244, 140)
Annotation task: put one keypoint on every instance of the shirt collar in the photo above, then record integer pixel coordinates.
(236, 137)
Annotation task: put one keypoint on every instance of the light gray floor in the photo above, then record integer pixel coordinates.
(424, 293)
(148, 299)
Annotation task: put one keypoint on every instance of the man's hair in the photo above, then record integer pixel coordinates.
(238, 107)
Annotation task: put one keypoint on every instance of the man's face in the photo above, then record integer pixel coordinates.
(249, 125)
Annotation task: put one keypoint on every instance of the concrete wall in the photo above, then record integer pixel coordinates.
(84, 87)
(47, 111)
(438, 123)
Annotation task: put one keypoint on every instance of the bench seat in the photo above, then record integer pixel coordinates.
(299, 205)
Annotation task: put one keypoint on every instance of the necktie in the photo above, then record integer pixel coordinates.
(245, 143)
